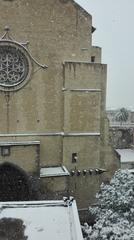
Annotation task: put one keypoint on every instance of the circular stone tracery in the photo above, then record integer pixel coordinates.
(13, 66)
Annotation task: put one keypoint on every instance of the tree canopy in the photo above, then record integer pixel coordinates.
(122, 115)
(114, 212)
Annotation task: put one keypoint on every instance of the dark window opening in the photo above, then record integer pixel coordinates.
(92, 59)
(74, 157)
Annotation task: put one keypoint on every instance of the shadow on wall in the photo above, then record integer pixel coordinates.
(15, 184)
(12, 229)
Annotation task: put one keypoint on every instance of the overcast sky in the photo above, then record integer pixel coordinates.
(114, 20)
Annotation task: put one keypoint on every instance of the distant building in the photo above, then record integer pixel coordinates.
(126, 158)
(112, 113)
(54, 138)
(121, 137)
(121, 132)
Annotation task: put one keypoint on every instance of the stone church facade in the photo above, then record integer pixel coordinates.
(53, 126)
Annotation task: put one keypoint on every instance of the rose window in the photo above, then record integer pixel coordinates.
(13, 66)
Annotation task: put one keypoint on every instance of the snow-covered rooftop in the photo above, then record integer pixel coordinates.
(127, 155)
(50, 220)
(54, 172)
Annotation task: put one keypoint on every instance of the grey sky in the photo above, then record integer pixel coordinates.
(114, 21)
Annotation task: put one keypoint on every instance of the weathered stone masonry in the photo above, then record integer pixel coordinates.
(56, 116)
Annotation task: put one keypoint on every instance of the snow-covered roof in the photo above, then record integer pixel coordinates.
(131, 170)
(54, 172)
(50, 220)
(127, 155)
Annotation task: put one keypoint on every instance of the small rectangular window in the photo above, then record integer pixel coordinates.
(92, 59)
(5, 151)
(74, 157)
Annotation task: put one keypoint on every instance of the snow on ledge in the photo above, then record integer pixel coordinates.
(64, 134)
(82, 89)
(19, 143)
(53, 172)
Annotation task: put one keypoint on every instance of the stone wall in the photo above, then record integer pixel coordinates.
(63, 107)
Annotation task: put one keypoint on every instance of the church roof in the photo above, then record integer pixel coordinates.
(86, 13)
(81, 8)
